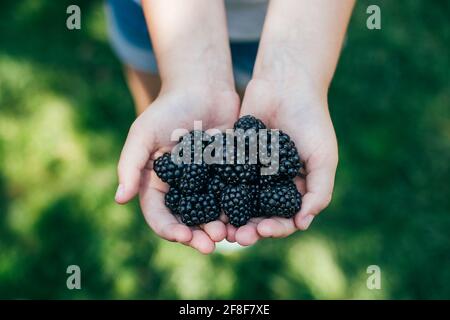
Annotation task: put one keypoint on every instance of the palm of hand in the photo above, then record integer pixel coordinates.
(305, 118)
(155, 126)
(298, 112)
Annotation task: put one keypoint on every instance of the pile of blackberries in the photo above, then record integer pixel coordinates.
(199, 191)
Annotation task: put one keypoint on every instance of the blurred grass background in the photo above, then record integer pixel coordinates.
(64, 114)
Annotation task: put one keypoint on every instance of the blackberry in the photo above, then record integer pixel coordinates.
(233, 173)
(249, 122)
(195, 141)
(167, 170)
(198, 208)
(198, 191)
(215, 186)
(195, 172)
(280, 199)
(255, 207)
(236, 202)
(288, 159)
(172, 199)
(239, 173)
(195, 178)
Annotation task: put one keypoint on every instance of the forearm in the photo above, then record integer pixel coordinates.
(303, 38)
(190, 42)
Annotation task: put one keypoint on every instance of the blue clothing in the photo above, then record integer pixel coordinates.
(131, 42)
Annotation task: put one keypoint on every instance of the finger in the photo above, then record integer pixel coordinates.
(276, 227)
(216, 230)
(300, 183)
(303, 223)
(231, 230)
(133, 159)
(247, 234)
(201, 242)
(231, 233)
(164, 222)
(176, 231)
(223, 217)
(157, 215)
(319, 186)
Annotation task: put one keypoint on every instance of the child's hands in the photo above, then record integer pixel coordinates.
(298, 109)
(150, 133)
(297, 57)
(295, 106)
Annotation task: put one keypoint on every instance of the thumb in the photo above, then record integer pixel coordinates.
(319, 187)
(134, 157)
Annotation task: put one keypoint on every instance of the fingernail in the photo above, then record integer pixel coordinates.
(307, 221)
(119, 192)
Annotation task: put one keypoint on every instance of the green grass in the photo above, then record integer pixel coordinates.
(64, 114)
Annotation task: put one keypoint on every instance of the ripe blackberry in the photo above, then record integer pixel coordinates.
(195, 141)
(215, 186)
(172, 199)
(249, 122)
(199, 191)
(286, 154)
(236, 171)
(194, 179)
(280, 199)
(239, 173)
(236, 202)
(256, 208)
(167, 170)
(198, 208)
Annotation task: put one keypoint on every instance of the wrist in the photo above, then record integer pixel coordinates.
(209, 67)
(196, 83)
(202, 95)
(207, 89)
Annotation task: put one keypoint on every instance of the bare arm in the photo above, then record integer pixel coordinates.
(303, 37)
(297, 57)
(190, 42)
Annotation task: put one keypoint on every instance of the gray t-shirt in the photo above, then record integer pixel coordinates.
(245, 18)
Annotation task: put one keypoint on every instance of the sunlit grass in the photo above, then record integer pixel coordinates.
(313, 261)
(95, 23)
(191, 275)
(64, 115)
